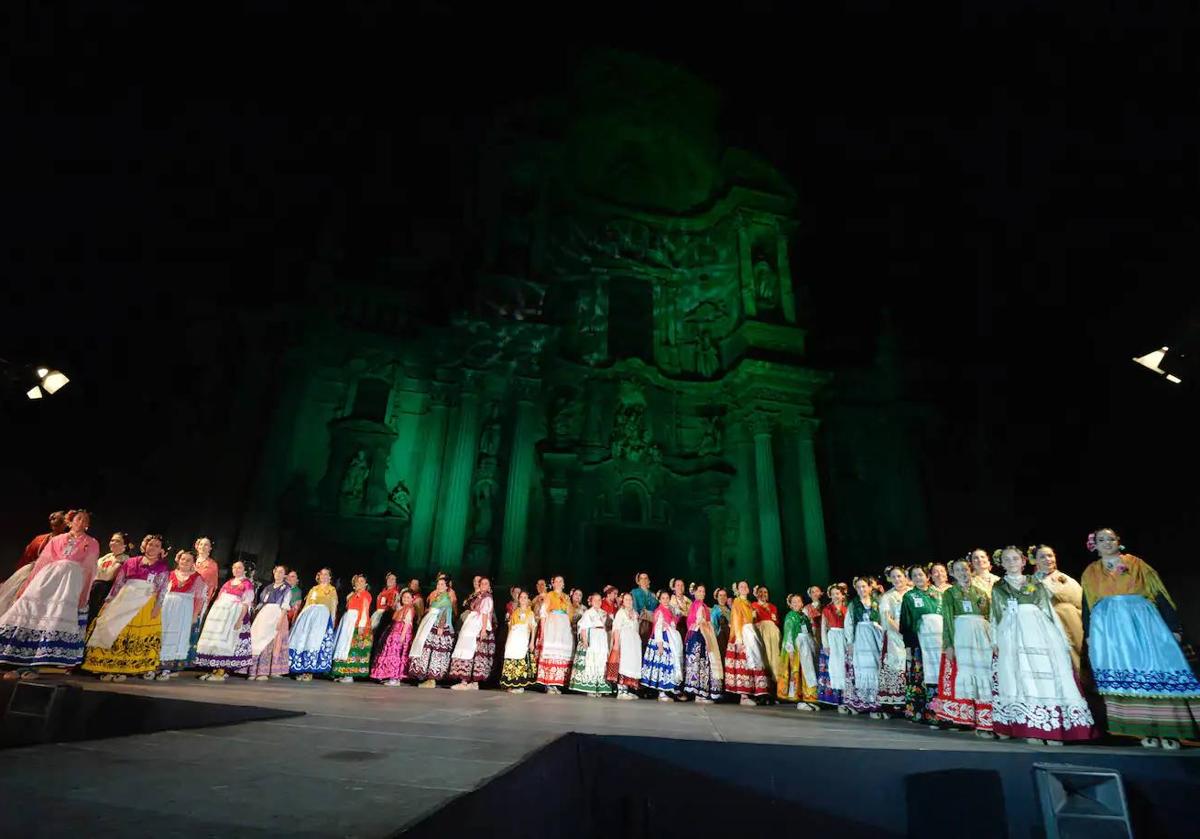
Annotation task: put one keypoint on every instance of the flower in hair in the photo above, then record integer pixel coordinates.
(1091, 541)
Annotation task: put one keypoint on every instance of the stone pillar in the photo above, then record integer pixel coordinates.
(812, 511)
(746, 268)
(787, 297)
(455, 506)
(516, 495)
(428, 486)
(770, 536)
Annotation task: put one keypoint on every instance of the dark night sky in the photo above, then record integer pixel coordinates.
(1019, 190)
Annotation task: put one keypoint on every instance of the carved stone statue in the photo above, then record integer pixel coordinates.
(711, 436)
(564, 416)
(707, 358)
(354, 479)
(766, 282)
(400, 501)
(483, 495)
(631, 438)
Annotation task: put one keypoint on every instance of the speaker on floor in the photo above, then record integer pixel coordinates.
(37, 713)
(1081, 801)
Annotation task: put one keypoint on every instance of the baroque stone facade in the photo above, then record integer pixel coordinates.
(628, 389)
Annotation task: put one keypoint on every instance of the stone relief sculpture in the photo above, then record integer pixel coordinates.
(354, 481)
(766, 282)
(707, 357)
(711, 436)
(400, 501)
(631, 438)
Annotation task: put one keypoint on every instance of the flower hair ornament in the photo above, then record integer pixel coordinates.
(1091, 541)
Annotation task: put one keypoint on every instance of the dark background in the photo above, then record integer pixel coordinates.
(1018, 190)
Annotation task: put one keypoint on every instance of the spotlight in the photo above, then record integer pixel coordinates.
(53, 381)
(34, 392)
(1153, 361)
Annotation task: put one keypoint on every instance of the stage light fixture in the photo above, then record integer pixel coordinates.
(53, 381)
(1153, 361)
(34, 392)
(42, 371)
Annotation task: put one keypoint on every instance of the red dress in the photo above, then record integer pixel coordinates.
(765, 612)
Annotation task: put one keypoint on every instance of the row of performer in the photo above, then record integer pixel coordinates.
(1032, 653)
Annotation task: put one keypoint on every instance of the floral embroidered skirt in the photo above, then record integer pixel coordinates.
(357, 662)
(135, 651)
(745, 674)
(965, 683)
(392, 660)
(432, 661)
(918, 696)
(699, 678)
(518, 673)
(478, 667)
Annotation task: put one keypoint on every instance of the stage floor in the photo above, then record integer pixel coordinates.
(366, 760)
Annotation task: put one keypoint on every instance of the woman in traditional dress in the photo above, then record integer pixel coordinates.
(310, 643)
(208, 567)
(798, 658)
(704, 671)
(554, 663)
(352, 644)
(864, 650)
(126, 639)
(1035, 694)
(519, 670)
(939, 577)
(1066, 596)
(680, 604)
(591, 651)
(45, 624)
(381, 618)
(624, 668)
(182, 616)
(981, 571)
(921, 628)
(831, 663)
(1133, 642)
(745, 674)
(813, 610)
(295, 598)
(645, 601)
(766, 624)
(269, 632)
(720, 619)
(106, 568)
(539, 596)
(577, 609)
(225, 643)
(965, 675)
(391, 664)
(659, 669)
(892, 663)
(475, 653)
(433, 642)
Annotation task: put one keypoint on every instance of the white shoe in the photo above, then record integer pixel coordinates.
(804, 706)
(346, 680)
(662, 697)
(459, 686)
(984, 735)
(746, 701)
(164, 677)
(119, 677)
(1053, 742)
(391, 683)
(1169, 744)
(1151, 742)
(626, 696)
(553, 691)
(700, 700)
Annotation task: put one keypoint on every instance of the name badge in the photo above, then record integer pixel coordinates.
(918, 600)
(967, 606)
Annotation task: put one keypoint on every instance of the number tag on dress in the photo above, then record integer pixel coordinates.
(917, 599)
(967, 606)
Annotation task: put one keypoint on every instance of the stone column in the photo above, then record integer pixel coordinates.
(770, 536)
(455, 506)
(746, 267)
(812, 511)
(787, 297)
(516, 495)
(428, 485)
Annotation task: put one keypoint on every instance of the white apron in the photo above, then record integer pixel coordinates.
(929, 633)
(220, 634)
(557, 643)
(265, 628)
(516, 646)
(8, 591)
(468, 636)
(345, 634)
(807, 651)
(868, 652)
(308, 633)
(176, 625)
(630, 663)
(836, 636)
(423, 629)
(752, 641)
(1034, 673)
(118, 612)
(973, 655)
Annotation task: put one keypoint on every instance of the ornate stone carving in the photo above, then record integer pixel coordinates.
(712, 436)
(631, 438)
(400, 501)
(489, 437)
(354, 483)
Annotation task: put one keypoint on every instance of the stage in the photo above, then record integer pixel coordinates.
(365, 760)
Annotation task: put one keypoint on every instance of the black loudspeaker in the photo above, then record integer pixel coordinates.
(1081, 801)
(35, 712)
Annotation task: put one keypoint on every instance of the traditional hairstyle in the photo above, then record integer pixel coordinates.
(998, 554)
(842, 587)
(150, 537)
(1091, 539)
(124, 538)
(182, 553)
(324, 568)
(923, 568)
(77, 513)
(200, 539)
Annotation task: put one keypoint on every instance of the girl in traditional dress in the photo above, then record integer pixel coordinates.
(519, 670)
(577, 609)
(208, 567)
(704, 671)
(659, 669)
(127, 636)
(891, 667)
(720, 620)
(831, 663)
(433, 642)
(225, 643)
(766, 624)
(269, 631)
(106, 568)
(1133, 638)
(745, 675)
(798, 658)
(965, 676)
(381, 618)
(939, 577)
(475, 653)
(45, 624)
(296, 598)
(864, 650)
(625, 658)
(680, 604)
(645, 601)
(921, 628)
(813, 610)
(554, 663)
(1066, 596)
(539, 589)
(182, 615)
(352, 644)
(310, 644)
(981, 571)
(591, 651)
(1035, 695)
(391, 664)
